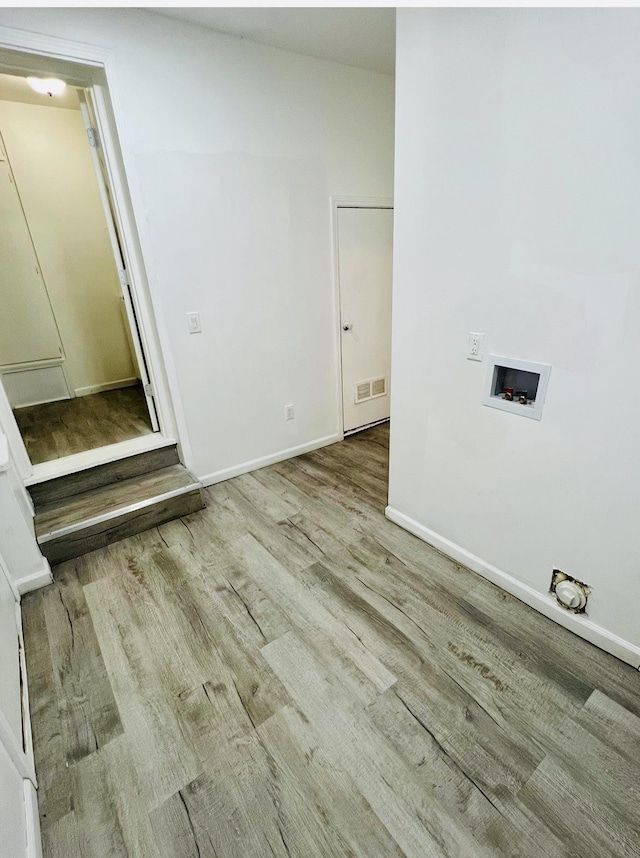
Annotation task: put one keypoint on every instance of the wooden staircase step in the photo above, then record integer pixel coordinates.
(92, 519)
(55, 489)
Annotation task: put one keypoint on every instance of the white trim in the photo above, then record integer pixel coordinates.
(542, 602)
(110, 132)
(32, 819)
(40, 44)
(364, 428)
(45, 401)
(26, 711)
(4, 453)
(11, 745)
(340, 202)
(106, 385)
(10, 581)
(17, 449)
(263, 461)
(101, 170)
(99, 456)
(31, 364)
(35, 580)
(66, 398)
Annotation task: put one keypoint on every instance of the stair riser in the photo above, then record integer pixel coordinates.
(51, 491)
(99, 535)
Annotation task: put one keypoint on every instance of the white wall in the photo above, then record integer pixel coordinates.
(19, 822)
(51, 163)
(28, 569)
(232, 153)
(518, 214)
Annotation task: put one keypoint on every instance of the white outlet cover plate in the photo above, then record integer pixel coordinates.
(473, 337)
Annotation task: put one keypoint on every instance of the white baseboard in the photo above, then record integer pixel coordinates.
(263, 461)
(542, 602)
(32, 819)
(107, 385)
(36, 580)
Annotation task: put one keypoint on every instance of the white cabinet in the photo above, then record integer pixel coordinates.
(28, 330)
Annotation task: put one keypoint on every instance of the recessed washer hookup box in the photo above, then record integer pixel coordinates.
(516, 386)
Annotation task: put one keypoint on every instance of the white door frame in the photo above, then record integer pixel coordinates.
(87, 109)
(94, 68)
(16, 445)
(345, 203)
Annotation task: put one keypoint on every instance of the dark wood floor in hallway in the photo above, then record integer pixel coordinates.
(287, 673)
(52, 430)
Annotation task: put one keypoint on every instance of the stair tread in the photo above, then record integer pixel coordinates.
(52, 491)
(110, 498)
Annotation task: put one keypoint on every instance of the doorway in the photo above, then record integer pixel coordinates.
(72, 364)
(364, 266)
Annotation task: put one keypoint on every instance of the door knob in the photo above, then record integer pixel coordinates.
(347, 326)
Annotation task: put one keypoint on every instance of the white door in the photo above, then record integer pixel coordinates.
(102, 177)
(365, 247)
(28, 330)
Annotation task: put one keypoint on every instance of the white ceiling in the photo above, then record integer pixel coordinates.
(361, 37)
(14, 88)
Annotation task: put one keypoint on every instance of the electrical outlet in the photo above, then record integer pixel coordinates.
(476, 345)
(288, 412)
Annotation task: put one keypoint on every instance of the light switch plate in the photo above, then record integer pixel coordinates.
(193, 323)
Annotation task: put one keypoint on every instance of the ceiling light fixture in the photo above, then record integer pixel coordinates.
(47, 86)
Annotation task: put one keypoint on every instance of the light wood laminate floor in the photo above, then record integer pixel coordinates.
(287, 673)
(56, 429)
